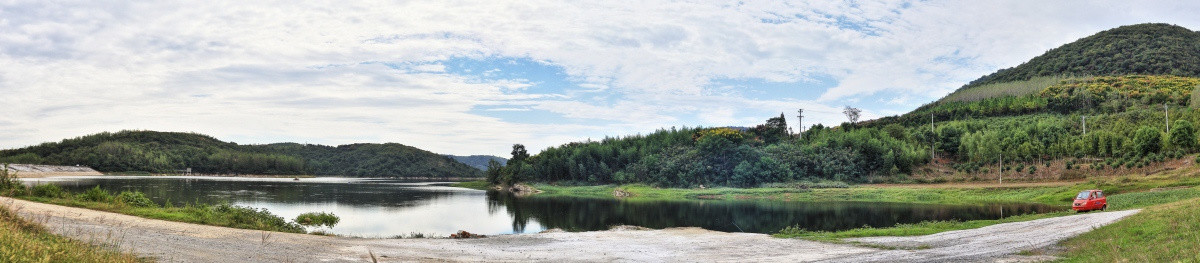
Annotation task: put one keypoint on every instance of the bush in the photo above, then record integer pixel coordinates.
(318, 219)
(48, 191)
(137, 199)
(9, 185)
(250, 218)
(95, 195)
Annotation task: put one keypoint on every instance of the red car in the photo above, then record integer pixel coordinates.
(1088, 200)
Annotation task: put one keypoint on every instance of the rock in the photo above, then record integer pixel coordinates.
(465, 234)
(621, 193)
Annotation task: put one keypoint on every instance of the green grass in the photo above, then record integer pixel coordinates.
(1047, 195)
(477, 185)
(318, 219)
(917, 229)
(24, 241)
(1117, 201)
(1161, 233)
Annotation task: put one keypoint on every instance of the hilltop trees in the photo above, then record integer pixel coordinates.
(169, 152)
(1153, 49)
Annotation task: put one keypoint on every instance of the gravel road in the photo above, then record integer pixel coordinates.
(181, 242)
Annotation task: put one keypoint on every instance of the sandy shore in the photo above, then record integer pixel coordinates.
(181, 242)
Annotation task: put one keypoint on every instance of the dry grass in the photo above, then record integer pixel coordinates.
(25, 241)
(1015, 88)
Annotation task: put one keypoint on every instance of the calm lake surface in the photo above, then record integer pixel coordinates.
(386, 208)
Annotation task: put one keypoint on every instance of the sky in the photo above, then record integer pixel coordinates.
(475, 77)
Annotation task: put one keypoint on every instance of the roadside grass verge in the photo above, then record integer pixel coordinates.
(1117, 201)
(477, 185)
(1161, 233)
(916, 229)
(24, 241)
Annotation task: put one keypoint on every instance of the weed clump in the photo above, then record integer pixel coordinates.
(318, 219)
(137, 199)
(48, 191)
(95, 195)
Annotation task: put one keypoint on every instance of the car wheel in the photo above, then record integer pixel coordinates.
(1102, 208)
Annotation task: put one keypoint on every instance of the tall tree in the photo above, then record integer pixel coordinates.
(519, 154)
(852, 114)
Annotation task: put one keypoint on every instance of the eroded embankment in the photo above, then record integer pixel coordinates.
(182, 242)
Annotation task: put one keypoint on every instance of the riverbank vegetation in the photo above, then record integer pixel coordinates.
(25, 241)
(137, 204)
(174, 153)
(318, 219)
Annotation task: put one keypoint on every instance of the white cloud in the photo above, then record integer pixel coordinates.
(270, 71)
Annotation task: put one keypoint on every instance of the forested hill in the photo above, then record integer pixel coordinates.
(1145, 49)
(1024, 123)
(169, 152)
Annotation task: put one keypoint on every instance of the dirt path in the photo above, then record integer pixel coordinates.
(181, 242)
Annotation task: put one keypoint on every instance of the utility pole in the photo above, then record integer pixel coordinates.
(1167, 118)
(800, 121)
(1084, 125)
(931, 136)
(1002, 169)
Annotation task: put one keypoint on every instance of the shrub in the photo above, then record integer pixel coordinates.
(9, 185)
(95, 195)
(47, 190)
(318, 219)
(250, 218)
(137, 199)
(1032, 169)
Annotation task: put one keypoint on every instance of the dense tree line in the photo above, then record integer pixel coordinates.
(721, 156)
(1151, 49)
(168, 152)
(1125, 116)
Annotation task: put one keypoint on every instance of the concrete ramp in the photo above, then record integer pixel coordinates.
(38, 170)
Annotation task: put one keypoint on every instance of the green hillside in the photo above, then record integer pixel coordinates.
(1145, 49)
(1030, 116)
(169, 152)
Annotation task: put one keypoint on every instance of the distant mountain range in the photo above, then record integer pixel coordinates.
(478, 161)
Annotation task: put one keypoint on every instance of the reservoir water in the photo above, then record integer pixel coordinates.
(387, 208)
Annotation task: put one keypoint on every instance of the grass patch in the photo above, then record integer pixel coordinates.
(225, 215)
(1161, 233)
(24, 241)
(318, 219)
(477, 185)
(1014, 88)
(916, 229)
(1117, 201)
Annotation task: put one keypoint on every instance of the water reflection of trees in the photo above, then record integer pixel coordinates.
(180, 191)
(585, 214)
